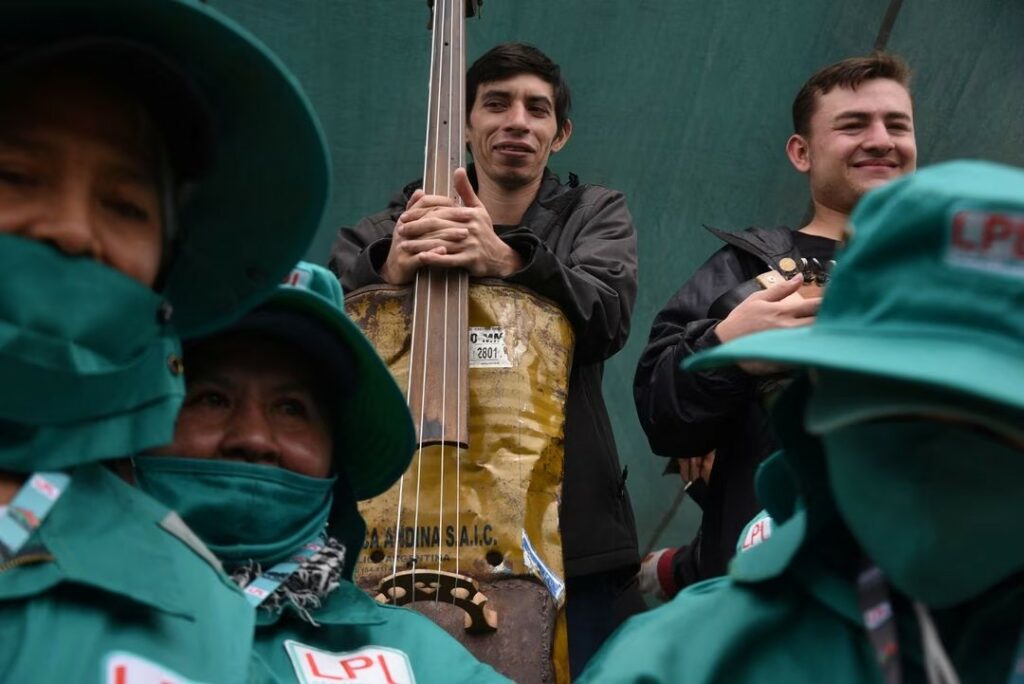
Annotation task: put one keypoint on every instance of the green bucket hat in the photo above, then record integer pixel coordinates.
(374, 436)
(207, 83)
(928, 298)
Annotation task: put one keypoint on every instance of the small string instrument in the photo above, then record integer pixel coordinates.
(816, 276)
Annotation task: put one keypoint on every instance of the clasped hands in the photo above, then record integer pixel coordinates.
(435, 231)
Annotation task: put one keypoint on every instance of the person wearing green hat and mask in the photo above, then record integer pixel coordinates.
(896, 500)
(129, 154)
(289, 419)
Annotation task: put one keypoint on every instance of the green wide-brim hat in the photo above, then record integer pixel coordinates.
(251, 216)
(929, 293)
(373, 434)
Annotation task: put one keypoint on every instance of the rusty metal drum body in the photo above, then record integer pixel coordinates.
(489, 512)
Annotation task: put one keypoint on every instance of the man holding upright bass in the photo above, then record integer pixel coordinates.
(573, 244)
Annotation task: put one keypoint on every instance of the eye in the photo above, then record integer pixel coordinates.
(128, 210)
(17, 178)
(206, 398)
(494, 105)
(291, 406)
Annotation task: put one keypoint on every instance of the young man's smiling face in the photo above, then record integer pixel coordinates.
(858, 139)
(512, 130)
(78, 171)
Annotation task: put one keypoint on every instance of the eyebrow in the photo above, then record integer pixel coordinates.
(531, 99)
(860, 116)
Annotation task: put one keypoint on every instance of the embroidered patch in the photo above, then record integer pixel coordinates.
(300, 278)
(987, 241)
(128, 668)
(369, 665)
(758, 530)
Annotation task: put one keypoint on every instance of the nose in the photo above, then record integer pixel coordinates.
(878, 139)
(249, 436)
(516, 117)
(68, 224)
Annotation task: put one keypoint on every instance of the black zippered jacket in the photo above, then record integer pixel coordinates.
(688, 414)
(578, 244)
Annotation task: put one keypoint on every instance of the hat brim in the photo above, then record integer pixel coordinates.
(251, 218)
(375, 437)
(984, 368)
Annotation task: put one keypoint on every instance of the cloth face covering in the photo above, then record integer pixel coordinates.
(92, 356)
(935, 504)
(244, 512)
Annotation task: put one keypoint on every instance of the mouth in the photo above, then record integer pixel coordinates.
(876, 164)
(513, 148)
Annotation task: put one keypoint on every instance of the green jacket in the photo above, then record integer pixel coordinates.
(122, 593)
(788, 611)
(360, 640)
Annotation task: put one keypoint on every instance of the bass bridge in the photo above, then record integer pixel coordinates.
(409, 586)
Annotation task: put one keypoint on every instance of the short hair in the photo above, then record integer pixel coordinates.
(511, 59)
(848, 73)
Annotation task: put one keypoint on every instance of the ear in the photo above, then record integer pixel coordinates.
(798, 149)
(562, 137)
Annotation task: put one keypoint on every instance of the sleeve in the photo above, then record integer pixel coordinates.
(359, 251)
(684, 413)
(596, 283)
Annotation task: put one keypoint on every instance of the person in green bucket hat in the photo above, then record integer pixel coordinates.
(290, 418)
(896, 499)
(133, 137)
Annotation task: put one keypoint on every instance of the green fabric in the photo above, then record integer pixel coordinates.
(350, 621)
(374, 435)
(242, 511)
(269, 147)
(788, 610)
(928, 291)
(952, 494)
(842, 399)
(85, 360)
(119, 582)
(789, 630)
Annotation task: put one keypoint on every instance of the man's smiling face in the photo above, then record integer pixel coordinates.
(858, 139)
(512, 130)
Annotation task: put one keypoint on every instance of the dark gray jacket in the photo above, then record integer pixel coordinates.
(579, 247)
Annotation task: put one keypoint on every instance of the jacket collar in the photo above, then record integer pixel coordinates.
(106, 534)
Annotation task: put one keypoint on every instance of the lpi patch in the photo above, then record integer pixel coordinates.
(369, 665)
(128, 668)
(987, 241)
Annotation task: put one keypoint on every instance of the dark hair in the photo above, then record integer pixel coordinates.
(511, 59)
(848, 73)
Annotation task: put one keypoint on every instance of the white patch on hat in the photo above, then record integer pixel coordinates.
(299, 277)
(368, 665)
(988, 241)
(128, 668)
(757, 530)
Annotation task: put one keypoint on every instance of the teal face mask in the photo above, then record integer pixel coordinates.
(89, 365)
(936, 505)
(242, 511)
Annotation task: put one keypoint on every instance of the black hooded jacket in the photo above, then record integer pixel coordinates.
(578, 245)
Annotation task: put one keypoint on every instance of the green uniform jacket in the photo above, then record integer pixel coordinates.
(788, 611)
(362, 641)
(121, 592)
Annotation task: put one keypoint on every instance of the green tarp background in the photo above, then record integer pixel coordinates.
(681, 104)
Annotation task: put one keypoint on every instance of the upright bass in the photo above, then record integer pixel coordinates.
(470, 535)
